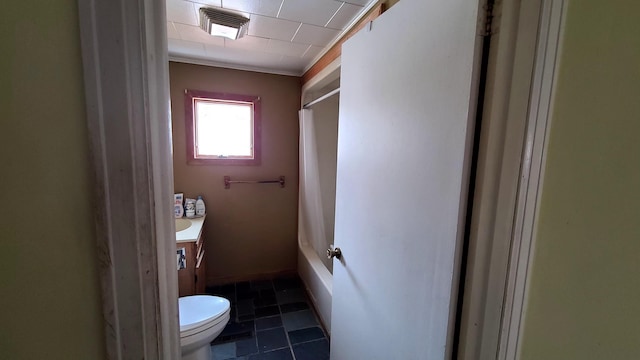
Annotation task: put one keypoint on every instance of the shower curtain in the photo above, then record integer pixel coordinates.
(311, 220)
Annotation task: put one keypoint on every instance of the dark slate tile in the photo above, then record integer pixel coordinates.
(243, 287)
(231, 338)
(263, 301)
(304, 335)
(246, 347)
(224, 351)
(221, 289)
(268, 293)
(229, 296)
(226, 291)
(272, 339)
(247, 317)
(282, 354)
(287, 283)
(299, 320)
(245, 307)
(297, 306)
(238, 328)
(314, 350)
(222, 339)
(249, 295)
(268, 323)
(291, 296)
(267, 311)
(261, 285)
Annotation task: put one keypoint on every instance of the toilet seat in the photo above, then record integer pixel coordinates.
(199, 313)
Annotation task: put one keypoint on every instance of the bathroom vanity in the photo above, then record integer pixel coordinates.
(190, 243)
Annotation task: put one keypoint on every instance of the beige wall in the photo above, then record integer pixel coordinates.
(390, 3)
(50, 303)
(251, 230)
(584, 300)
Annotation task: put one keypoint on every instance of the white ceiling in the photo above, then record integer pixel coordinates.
(284, 36)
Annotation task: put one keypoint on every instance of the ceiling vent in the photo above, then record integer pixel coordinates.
(221, 23)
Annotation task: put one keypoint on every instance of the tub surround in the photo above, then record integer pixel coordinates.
(318, 282)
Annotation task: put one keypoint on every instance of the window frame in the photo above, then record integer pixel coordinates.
(190, 97)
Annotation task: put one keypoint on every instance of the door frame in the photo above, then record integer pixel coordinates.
(516, 120)
(126, 73)
(124, 50)
(532, 176)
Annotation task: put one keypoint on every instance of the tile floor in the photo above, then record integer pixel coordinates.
(270, 320)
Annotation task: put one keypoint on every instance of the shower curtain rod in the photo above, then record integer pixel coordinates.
(323, 97)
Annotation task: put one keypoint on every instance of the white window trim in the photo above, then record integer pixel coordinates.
(191, 96)
(196, 130)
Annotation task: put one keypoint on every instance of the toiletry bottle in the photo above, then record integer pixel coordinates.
(200, 209)
(190, 208)
(177, 205)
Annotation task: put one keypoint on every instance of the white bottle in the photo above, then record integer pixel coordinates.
(178, 207)
(190, 208)
(200, 209)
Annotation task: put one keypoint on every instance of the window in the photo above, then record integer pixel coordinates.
(222, 129)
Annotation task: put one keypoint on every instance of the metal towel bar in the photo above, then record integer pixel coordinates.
(228, 182)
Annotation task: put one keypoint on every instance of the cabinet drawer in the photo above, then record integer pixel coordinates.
(199, 259)
(199, 241)
(199, 248)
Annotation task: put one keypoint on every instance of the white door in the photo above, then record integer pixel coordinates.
(407, 101)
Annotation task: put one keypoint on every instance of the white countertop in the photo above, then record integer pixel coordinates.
(192, 233)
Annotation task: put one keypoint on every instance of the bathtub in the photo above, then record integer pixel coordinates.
(317, 280)
(317, 193)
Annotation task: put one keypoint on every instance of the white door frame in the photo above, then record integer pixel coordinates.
(510, 171)
(126, 71)
(124, 49)
(531, 178)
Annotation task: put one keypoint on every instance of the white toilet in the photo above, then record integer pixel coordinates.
(202, 319)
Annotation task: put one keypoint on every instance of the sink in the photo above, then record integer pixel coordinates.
(182, 224)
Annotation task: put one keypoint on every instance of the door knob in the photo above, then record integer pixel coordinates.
(334, 253)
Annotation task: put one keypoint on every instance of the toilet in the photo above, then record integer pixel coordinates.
(202, 319)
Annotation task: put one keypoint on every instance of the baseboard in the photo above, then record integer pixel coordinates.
(249, 277)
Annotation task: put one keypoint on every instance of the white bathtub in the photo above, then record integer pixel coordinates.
(318, 281)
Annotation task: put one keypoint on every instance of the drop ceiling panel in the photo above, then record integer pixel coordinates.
(343, 17)
(200, 3)
(272, 28)
(172, 33)
(291, 62)
(181, 11)
(250, 43)
(309, 11)
(358, 2)
(259, 7)
(244, 58)
(312, 52)
(287, 48)
(195, 34)
(186, 48)
(284, 36)
(315, 35)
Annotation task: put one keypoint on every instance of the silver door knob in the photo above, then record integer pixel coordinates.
(334, 253)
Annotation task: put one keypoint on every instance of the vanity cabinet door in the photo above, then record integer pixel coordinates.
(200, 276)
(186, 284)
